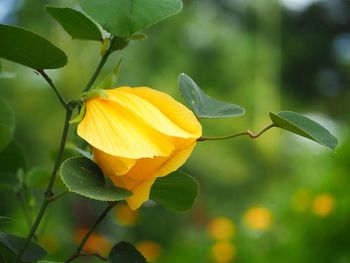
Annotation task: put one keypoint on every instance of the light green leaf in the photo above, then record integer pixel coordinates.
(126, 17)
(176, 191)
(82, 176)
(305, 127)
(29, 49)
(10, 245)
(124, 252)
(202, 105)
(7, 123)
(75, 23)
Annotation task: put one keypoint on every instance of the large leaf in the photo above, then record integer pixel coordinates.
(10, 245)
(305, 127)
(29, 49)
(202, 105)
(176, 191)
(126, 17)
(7, 123)
(84, 177)
(124, 252)
(77, 24)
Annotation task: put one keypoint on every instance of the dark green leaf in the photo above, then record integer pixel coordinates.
(29, 49)
(126, 17)
(84, 177)
(77, 24)
(124, 252)
(176, 191)
(10, 245)
(202, 105)
(305, 127)
(7, 123)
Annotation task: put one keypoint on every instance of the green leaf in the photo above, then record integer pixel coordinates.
(124, 252)
(305, 127)
(84, 177)
(126, 17)
(77, 24)
(5, 219)
(176, 191)
(10, 245)
(12, 160)
(202, 105)
(7, 123)
(29, 49)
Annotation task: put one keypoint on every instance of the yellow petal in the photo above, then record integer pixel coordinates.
(173, 110)
(110, 128)
(112, 165)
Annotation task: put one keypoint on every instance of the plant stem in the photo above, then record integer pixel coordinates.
(77, 252)
(57, 196)
(99, 67)
(247, 133)
(48, 194)
(47, 78)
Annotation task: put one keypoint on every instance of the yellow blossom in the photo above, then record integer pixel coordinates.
(137, 135)
(223, 252)
(221, 228)
(258, 218)
(323, 205)
(150, 250)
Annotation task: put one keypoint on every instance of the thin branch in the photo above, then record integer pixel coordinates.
(247, 133)
(48, 193)
(47, 78)
(55, 197)
(93, 255)
(77, 252)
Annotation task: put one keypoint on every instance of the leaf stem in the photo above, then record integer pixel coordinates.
(102, 216)
(247, 133)
(48, 80)
(57, 196)
(100, 66)
(48, 194)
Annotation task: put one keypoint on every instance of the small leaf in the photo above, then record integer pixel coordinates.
(126, 17)
(7, 123)
(202, 105)
(29, 49)
(176, 191)
(75, 23)
(84, 177)
(304, 127)
(124, 252)
(10, 245)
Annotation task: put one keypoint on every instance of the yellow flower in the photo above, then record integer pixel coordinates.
(221, 228)
(323, 205)
(258, 218)
(223, 252)
(137, 135)
(150, 250)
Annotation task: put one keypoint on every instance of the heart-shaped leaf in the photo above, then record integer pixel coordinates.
(75, 23)
(303, 126)
(11, 245)
(176, 191)
(84, 177)
(126, 17)
(29, 49)
(202, 105)
(7, 123)
(124, 252)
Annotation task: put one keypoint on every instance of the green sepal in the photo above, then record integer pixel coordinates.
(94, 93)
(80, 116)
(111, 78)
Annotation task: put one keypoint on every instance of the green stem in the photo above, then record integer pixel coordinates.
(103, 215)
(247, 133)
(47, 78)
(99, 67)
(48, 193)
(57, 196)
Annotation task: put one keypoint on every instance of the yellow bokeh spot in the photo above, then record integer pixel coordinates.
(150, 250)
(221, 228)
(50, 243)
(301, 200)
(258, 218)
(95, 244)
(126, 216)
(323, 205)
(223, 252)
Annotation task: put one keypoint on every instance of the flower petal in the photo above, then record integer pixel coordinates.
(110, 128)
(173, 110)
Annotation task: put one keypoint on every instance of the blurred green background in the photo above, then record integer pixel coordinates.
(279, 198)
